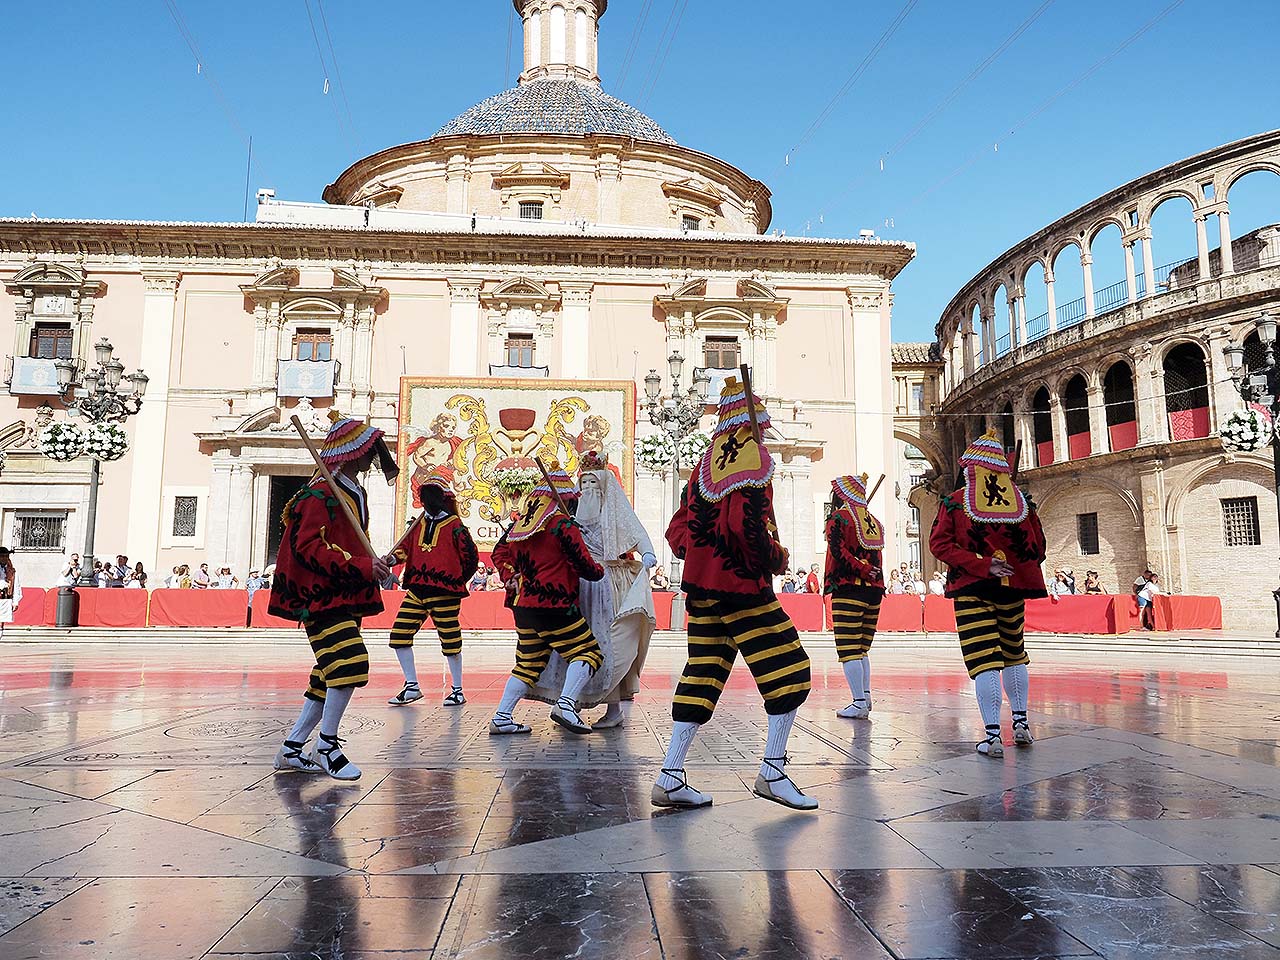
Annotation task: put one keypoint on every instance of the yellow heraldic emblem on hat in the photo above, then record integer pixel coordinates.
(734, 460)
(541, 506)
(852, 493)
(990, 495)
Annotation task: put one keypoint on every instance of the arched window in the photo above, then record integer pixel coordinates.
(1255, 357)
(1042, 427)
(580, 46)
(1254, 204)
(1110, 280)
(557, 35)
(1001, 322)
(1068, 286)
(1173, 245)
(1035, 303)
(1186, 392)
(1122, 414)
(1075, 403)
(1006, 427)
(980, 356)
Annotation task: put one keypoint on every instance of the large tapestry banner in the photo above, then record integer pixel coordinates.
(484, 432)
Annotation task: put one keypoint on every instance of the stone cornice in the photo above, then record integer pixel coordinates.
(220, 243)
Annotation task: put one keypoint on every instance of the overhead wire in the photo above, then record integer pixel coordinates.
(633, 44)
(337, 70)
(324, 69)
(1043, 107)
(660, 52)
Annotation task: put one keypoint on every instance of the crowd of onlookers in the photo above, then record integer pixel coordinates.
(120, 574)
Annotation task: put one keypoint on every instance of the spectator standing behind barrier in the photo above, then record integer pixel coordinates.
(254, 583)
(1091, 584)
(895, 583)
(137, 577)
(938, 583)
(202, 580)
(118, 572)
(184, 578)
(495, 580)
(225, 580)
(479, 579)
(70, 572)
(811, 583)
(1147, 592)
(659, 580)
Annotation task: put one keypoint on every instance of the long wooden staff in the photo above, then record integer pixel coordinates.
(407, 530)
(1017, 458)
(338, 493)
(872, 495)
(552, 487)
(745, 372)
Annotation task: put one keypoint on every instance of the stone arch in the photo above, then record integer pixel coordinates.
(1185, 366)
(1253, 166)
(1074, 397)
(1041, 424)
(1074, 512)
(1173, 255)
(1246, 463)
(1035, 302)
(1068, 284)
(1120, 410)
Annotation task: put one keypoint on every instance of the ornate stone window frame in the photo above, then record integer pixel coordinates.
(693, 198)
(43, 285)
(531, 181)
(520, 305)
(168, 540)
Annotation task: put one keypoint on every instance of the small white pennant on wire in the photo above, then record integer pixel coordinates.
(326, 86)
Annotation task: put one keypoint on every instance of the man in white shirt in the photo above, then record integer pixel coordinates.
(938, 583)
(71, 572)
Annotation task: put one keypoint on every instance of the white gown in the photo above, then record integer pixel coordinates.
(619, 608)
(9, 604)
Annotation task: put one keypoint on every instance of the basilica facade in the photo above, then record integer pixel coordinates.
(551, 231)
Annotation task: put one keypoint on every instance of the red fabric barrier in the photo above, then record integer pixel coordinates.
(1124, 436)
(939, 614)
(662, 609)
(263, 619)
(487, 611)
(1044, 453)
(391, 600)
(1093, 613)
(105, 607)
(806, 610)
(901, 613)
(198, 608)
(1182, 612)
(30, 612)
(1189, 424)
(1079, 446)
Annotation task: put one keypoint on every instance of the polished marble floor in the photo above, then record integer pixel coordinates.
(140, 819)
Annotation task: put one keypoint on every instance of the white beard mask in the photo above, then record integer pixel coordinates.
(591, 502)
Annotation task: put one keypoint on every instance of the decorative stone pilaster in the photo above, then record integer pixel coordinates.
(575, 314)
(464, 326)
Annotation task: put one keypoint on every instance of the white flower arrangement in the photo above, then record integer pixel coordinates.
(107, 441)
(62, 441)
(656, 451)
(1246, 430)
(514, 482)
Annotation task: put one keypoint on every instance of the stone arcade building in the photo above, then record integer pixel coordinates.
(551, 229)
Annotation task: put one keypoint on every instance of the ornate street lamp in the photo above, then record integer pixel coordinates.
(678, 415)
(1260, 385)
(96, 396)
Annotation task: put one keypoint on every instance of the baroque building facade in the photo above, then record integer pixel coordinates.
(549, 231)
(1118, 396)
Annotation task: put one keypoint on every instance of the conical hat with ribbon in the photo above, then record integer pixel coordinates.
(851, 492)
(439, 476)
(990, 495)
(734, 460)
(541, 505)
(348, 439)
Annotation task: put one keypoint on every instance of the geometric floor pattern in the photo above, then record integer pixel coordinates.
(140, 819)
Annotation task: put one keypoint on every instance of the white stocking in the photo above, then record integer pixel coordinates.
(575, 679)
(853, 674)
(515, 689)
(454, 660)
(335, 703)
(612, 711)
(307, 720)
(987, 687)
(866, 679)
(775, 746)
(682, 734)
(1016, 686)
(405, 656)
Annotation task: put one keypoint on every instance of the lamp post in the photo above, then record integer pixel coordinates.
(97, 397)
(678, 414)
(1261, 385)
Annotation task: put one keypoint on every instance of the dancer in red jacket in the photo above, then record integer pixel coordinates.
(325, 580)
(988, 535)
(541, 559)
(855, 580)
(439, 558)
(726, 535)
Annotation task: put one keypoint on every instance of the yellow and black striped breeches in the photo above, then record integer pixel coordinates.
(443, 611)
(854, 623)
(341, 657)
(541, 631)
(990, 633)
(718, 630)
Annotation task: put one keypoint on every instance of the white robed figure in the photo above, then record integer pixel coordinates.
(619, 607)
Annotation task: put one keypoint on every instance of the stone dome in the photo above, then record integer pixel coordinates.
(552, 106)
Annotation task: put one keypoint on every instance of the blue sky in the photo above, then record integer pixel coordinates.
(107, 115)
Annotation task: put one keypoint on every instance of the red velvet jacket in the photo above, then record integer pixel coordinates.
(439, 557)
(851, 568)
(546, 567)
(730, 549)
(967, 549)
(322, 571)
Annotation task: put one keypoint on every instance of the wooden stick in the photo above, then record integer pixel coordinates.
(334, 488)
(1017, 458)
(407, 530)
(872, 494)
(552, 487)
(745, 372)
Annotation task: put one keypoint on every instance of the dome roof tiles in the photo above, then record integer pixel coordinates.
(553, 106)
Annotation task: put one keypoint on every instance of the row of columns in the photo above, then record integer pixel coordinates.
(1015, 319)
